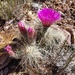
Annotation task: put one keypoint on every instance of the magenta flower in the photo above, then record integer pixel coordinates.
(9, 50)
(22, 27)
(31, 33)
(48, 16)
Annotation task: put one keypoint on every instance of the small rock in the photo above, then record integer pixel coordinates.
(6, 27)
(36, 5)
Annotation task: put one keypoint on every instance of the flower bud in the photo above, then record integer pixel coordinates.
(8, 48)
(22, 27)
(31, 33)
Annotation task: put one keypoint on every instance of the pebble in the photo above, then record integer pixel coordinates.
(6, 27)
(36, 5)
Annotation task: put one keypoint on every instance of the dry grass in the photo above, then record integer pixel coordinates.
(10, 8)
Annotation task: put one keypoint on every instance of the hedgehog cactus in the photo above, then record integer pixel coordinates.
(36, 56)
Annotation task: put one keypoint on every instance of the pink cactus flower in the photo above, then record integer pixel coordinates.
(21, 27)
(48, 16)
(31, 32)
(9, 50)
